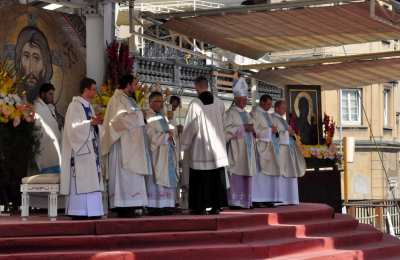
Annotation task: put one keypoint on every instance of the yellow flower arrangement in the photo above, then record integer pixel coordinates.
(319, 151)
(141, 95)
(105, 93)
(12, 107)
(103, 96)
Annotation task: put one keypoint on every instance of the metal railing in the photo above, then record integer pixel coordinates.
(175, 6)
(382, 214)
(178, 75)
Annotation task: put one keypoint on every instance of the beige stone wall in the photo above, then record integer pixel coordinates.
(366, 176)
(360, 181)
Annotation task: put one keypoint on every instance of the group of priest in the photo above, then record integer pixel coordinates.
(230, 158)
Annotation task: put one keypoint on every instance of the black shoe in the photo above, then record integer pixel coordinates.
(198, 212)
(176, 211)
(269, 205)
(214, 211)
(235, 207)
(169, 211)
(124, 212)
(258, 205)
(154, 212)
(95, 218)
(79, 217)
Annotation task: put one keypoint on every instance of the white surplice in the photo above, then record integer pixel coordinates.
(161, 186)
(203, 135)
(241, 149)
(81, 177)
(292, 163)
(125, 148)
(266, 182)
(242, 156)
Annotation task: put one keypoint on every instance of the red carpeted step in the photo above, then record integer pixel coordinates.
(285, 214)
(301, 215)
(307, 231)
(387, 249)
(242, 251)
(71, 255)
(333, 254)
(24, 229)
(145, 240)
(264, 233)
(155, 224)
(309, 227)
(340, 223)
(179, 223)
(229, 219)
(126, 226)
(209, 252)
(363, 234)
(225, 221)
(344, 242)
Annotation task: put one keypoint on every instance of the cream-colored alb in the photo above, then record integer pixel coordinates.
(124, 121)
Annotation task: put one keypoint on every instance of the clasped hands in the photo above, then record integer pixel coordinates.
(171, 136)
(96, 120)
(246, 128)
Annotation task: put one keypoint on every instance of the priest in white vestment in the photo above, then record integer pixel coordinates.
(240, 133)
(81, 177)
(203, 142)
(265, 183)
(126, 151)
(291, 160)
(161, 186)
(48, 159)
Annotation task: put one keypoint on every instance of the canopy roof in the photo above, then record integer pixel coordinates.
(338, 75)
(253, 34)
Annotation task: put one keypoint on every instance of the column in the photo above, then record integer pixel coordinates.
(109, 22)
(95, 48)
(253, 92)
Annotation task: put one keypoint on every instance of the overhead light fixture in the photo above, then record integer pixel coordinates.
(52, 7)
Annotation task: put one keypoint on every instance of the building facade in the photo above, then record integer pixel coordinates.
(370, 114)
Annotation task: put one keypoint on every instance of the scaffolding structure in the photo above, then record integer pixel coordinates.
(171, 6)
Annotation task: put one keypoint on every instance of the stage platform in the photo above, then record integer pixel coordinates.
(307, 231)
